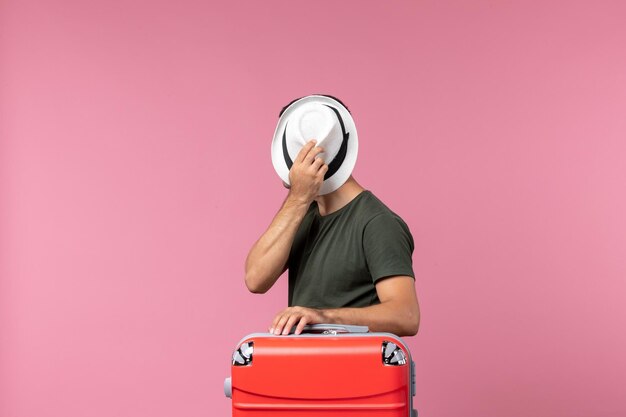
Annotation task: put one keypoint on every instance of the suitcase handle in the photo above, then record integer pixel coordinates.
(326, 328)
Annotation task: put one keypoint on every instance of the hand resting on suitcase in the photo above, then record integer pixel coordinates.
(397, 313)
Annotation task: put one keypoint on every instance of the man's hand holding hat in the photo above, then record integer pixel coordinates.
(307, 173)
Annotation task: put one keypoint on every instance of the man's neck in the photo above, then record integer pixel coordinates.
(332, 202)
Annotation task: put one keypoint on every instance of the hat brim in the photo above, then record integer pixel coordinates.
(343, 173)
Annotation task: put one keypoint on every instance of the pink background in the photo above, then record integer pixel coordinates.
(135, 175)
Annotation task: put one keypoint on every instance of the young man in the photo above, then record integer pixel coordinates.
(348, 254)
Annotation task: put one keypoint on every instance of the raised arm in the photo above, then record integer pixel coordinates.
(268, 257)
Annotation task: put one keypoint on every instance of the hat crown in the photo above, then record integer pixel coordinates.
(314, 121)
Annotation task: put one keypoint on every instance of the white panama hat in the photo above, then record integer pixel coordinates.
(328, 122)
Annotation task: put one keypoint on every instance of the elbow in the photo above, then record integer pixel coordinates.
(253, 284)
(414, 319)
(404, 320)
(409, 329)
(411, 323)
(413, 328)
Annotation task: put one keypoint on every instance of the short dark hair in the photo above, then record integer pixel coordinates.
(325, 95)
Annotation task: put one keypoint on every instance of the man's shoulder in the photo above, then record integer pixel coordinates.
(372, 207)
(379, 218)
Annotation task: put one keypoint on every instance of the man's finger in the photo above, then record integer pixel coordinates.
(305, 150)
(281, 323)
(308, 159)
(275, 322)
(322, 171)
(303, 322)
(319, 161)
(290, 323)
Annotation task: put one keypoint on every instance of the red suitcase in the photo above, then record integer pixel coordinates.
(329, 370)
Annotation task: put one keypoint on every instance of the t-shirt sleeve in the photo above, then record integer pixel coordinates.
(388, 246)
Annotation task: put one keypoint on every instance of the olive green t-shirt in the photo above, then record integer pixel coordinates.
(336, 259)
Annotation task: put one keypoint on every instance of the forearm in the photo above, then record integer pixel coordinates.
(390, 317)
(269, 255)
